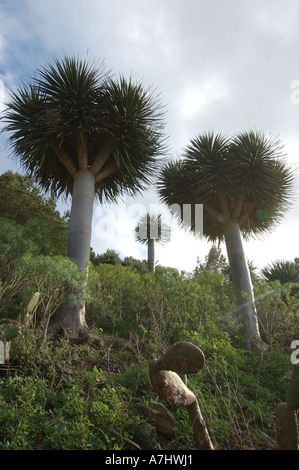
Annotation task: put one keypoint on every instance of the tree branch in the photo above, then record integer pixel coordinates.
(247, 213)
(64, 158)
(109, 168)
(82, 149)
(214, 212)
(224, 205)
(102, 156)
(238, 207)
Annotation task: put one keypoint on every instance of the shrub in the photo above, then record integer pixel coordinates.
(59, 402)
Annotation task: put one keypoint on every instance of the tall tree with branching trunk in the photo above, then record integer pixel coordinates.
(150, 230)
(245, 186)
(79, 131)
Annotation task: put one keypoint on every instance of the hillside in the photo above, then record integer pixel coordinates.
(70, 395)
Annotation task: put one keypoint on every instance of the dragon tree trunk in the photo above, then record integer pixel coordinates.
(242, 284)
(72, 318)
(151, 255)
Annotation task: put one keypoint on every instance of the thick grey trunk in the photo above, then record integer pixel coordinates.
(151, 255)
(73, 318)
(81, 217)
(242, 283)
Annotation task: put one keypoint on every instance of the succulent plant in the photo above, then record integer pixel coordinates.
(181, 358)
(32, 302)
(30, 306)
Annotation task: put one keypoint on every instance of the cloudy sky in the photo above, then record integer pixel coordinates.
(222, 65)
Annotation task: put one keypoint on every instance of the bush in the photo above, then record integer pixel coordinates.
(167, 306)
(62, 407)
(85, 396)
(278, 308)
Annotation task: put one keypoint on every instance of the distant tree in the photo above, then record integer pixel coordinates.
(150, 230)
(109, 257)
(139, 265)
(168, 271)
(13, 246)
(245, 187)
(215, 262)
(78, 131)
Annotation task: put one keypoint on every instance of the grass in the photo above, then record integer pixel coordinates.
(69, 396)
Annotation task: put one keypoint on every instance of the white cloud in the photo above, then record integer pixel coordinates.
(196, 99)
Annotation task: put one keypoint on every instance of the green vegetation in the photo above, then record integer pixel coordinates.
(78, 341)
(66, 394)
(150, 230)
(283, 271)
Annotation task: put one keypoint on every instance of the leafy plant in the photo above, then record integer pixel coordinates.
(282, 271)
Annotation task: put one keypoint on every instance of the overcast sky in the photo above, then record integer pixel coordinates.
(221, 65)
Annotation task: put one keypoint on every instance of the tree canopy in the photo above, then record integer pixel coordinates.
(73, 115)
(244, 179)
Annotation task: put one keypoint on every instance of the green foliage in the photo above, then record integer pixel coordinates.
(41, 223)
(52, 278)
(168, 306)
(283, 271)
(55, 278)
(139, 265)
(277, 307)
(238, 392)
(12, 333)
(65, 400)
(29, 224)
(43, 410)
(14, 245)
(73, 396)
(244, 178)
(109, 257)
(215, 261)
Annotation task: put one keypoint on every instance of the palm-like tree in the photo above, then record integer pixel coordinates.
(78, 131)
(149, 230)
(283, 271)
(245, 187)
